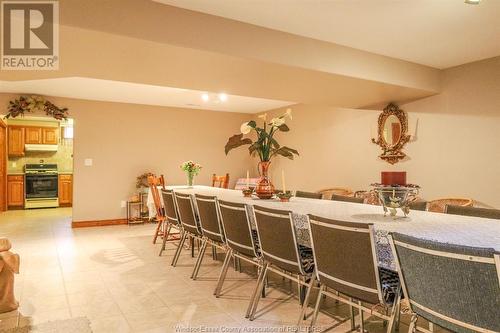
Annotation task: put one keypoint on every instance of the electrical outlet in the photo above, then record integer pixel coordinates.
(88, 162)
(14, 164)
(123, 203)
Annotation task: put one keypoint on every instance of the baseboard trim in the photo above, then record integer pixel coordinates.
(97, 223)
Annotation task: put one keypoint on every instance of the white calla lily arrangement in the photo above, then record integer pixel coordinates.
(265, 145)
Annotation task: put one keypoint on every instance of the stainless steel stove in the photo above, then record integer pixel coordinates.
(41, 186)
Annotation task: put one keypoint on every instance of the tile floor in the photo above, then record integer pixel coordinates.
(114, 276)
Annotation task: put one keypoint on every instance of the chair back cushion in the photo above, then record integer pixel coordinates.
(278, 243)
(169, 204)
(237, 229)
(186, 211)
(418, 205)
(473, 211)
(450, 281)
(344, 258)
(209, 217)
(309, 195)
(344, 198)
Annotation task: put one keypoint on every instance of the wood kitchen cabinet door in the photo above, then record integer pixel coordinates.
(50, 136)
(33, 135)
(65, 190)
(15, 190)
(15, 141)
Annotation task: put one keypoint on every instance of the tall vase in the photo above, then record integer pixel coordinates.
(190, 178)
(264, 188)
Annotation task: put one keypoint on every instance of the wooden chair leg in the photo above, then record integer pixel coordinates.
(166, 234)
(157, 231)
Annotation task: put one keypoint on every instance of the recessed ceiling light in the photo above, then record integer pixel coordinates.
(205, 97)
(472, 2)
(222, 97)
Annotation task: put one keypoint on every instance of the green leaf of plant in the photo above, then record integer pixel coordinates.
(252, 124)
(235, 141)
(275, 143)
(284, 128)
(291, 150)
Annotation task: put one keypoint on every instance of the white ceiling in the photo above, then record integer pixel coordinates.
(134, 93)
(437, 33)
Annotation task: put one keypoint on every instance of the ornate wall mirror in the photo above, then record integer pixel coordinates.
(392, 133)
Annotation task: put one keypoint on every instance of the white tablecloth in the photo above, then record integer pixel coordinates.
(454, 229)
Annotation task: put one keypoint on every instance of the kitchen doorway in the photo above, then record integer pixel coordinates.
(39, 164)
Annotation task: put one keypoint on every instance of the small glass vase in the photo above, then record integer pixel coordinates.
(190, 178)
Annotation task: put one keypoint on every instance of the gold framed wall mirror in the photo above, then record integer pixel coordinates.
(392, 133)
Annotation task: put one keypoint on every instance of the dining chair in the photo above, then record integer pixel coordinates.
(154, 182)
(282, 254)
(439, 205)
(171, 218)
(327, 192)
(220, 181)
(189, 222)
(473, 211)
(211, 228)
(456, 287)
(346, 262)
(369, 197)
(241, 240)
(418, 205)
(344, 198)
(309, 195)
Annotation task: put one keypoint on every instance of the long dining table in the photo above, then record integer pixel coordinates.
(446, 228)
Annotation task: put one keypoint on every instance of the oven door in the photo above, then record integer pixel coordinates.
(41, 186)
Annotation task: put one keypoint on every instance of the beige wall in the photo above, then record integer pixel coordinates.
(455, 152)
(126, 140)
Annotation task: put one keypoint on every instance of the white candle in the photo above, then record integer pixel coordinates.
(248, 179)
(283, 180)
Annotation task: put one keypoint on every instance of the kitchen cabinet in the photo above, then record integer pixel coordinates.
(15, 190)
(20, 135)
(65, 190)
(33, 135)
(41, 135)
(50, 135)
(15, 138)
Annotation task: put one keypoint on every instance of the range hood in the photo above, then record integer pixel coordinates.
(38, 147)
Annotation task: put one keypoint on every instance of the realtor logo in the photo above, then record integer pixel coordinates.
(30, 35)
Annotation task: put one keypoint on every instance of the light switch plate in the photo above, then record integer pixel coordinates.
(14, 164)
(123, 203)
(88, 162)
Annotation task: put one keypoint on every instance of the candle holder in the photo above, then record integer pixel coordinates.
(247, 192)
(284, 196)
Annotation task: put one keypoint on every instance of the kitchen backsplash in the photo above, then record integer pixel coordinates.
(63, 157)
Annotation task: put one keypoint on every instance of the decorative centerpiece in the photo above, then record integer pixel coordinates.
(247, 192)
(191, 169)
(265, 146)
(284, 196)
(394, 192)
